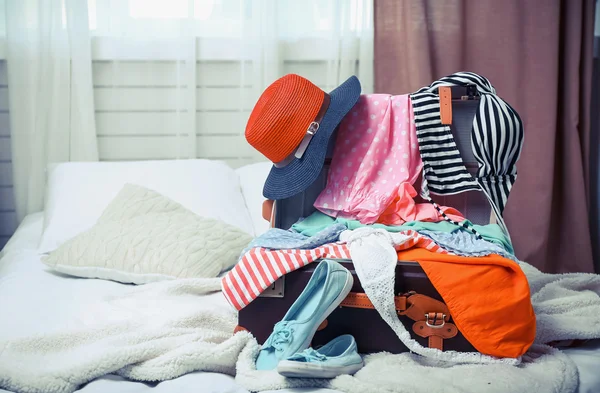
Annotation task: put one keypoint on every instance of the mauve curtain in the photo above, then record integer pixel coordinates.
(538, 55)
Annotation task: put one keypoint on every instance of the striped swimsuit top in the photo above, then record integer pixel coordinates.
(496, 140)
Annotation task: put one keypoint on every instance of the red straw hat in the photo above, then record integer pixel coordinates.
(291, 125)
(279, 122)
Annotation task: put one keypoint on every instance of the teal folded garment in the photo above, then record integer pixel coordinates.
(318, 221)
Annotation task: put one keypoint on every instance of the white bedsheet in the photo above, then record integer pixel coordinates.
(33, 300)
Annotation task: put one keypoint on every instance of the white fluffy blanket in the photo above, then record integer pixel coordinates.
(160, 331)
(154, 332)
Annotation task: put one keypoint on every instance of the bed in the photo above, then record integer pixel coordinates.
(30, 294)
(34, 299)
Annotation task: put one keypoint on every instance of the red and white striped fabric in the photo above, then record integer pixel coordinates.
(259, 268)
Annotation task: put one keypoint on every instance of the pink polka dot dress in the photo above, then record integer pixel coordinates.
(376, 151)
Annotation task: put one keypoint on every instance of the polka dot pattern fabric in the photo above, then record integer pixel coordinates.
(375, 152)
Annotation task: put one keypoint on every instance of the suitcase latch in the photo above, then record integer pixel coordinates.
(277, 289)
(435, 320)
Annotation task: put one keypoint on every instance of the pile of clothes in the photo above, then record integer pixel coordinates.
(369, 209)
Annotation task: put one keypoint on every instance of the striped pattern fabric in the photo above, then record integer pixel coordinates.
(496, 140)
(460, 224)
(259, 268)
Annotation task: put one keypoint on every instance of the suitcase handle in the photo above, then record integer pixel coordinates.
(431, 316)
(268, 211)
(361, 300)
(413, 305)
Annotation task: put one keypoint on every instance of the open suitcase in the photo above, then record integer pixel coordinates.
(419, 305)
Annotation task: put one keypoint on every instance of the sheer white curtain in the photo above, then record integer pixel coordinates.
(50, 92)
(337, 31)
(164, 64)
(266, 38)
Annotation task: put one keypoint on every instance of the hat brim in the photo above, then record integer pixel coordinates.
(302, 172)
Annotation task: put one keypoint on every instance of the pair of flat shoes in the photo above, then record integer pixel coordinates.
(289, 342)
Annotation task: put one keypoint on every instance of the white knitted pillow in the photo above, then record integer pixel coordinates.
(143, 236)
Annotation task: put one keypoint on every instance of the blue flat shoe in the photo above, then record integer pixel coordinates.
(337, 357)
(329, 284)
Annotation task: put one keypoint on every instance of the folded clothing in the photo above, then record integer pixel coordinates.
(280, 239)
(259, 268)
(466, 244)
(318, 221)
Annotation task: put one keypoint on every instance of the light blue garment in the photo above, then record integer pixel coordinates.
(318, 221)
(337, 357)
(279, 239)
(466, 244)
(327, 287)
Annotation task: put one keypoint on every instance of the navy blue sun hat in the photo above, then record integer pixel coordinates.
(292, 124)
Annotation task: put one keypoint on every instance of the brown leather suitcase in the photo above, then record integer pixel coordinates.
(419, 305)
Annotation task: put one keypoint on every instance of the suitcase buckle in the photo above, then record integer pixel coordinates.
(435, 319)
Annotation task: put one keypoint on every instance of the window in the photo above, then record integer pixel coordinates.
(174, 9)
(289, 19)
(2, 18)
